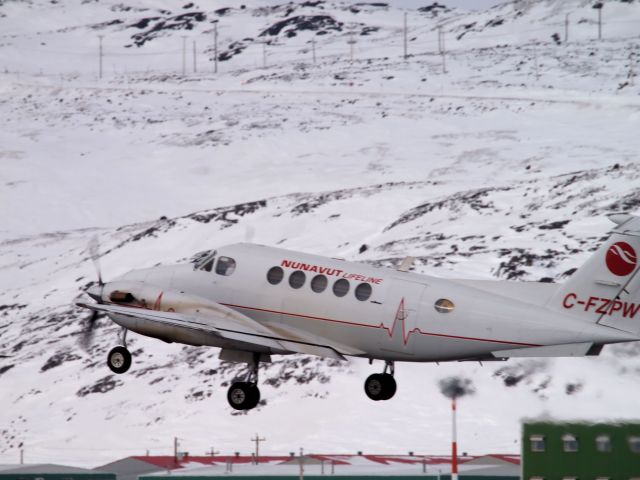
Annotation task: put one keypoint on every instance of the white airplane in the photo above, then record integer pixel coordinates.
(253, 301)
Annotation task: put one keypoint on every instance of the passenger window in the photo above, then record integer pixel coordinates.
(319, 283)
(341, 287)
(225, 266)
(363, 292)
(297, 278)
(275, 275)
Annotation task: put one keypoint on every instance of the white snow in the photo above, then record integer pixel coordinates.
(460, 170)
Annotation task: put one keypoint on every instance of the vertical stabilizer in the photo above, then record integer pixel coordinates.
(606, 289)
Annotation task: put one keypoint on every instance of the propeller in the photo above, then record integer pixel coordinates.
(94, 292)
(86, 338)
(94, 252)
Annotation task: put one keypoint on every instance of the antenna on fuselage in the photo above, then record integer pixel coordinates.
(406, 264)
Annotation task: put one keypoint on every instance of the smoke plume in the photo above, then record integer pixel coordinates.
(573, 387)
(512, 375)
(456, 387)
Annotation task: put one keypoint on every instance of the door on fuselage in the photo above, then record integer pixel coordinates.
(402, 316)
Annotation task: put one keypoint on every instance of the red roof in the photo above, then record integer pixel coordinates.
(169, 463)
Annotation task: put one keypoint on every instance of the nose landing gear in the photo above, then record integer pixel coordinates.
(119, 358)
(381, 386)
(246, 395)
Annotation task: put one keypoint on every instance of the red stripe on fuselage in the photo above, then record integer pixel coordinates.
(382, 327)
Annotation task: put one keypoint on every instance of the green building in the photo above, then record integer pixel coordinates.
(580, 451)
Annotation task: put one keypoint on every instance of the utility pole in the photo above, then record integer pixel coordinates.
(441, 47)
(454, 442)
(598, 6)
(351, 42)
(215, 47)
(175, 449)
(212, 452)
(313, 49)
(301, 464)
(100, 37)
(194, 57)
(22, 456)
(264, 53)
(632, 61)
(258, 439)
(566, 29)
(184, 55)
(405, 36)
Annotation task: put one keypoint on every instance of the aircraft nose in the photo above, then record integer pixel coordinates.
(95, 292)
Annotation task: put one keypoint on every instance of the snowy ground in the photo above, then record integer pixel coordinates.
(503, 167)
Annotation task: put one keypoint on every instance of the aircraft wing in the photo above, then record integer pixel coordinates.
(229, 324)
(565, 350)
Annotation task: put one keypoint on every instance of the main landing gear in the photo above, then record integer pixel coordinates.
(381, 386)
(119, 358)
(246, 395)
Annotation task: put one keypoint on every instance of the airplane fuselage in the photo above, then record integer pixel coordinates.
(362, 310)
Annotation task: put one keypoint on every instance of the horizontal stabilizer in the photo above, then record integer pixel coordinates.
(566, 350)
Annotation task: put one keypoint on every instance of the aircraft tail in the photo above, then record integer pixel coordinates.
(606, 289)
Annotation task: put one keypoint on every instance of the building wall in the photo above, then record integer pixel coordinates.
(587, 463)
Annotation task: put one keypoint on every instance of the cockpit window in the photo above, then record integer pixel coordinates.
(225, 266)
(204, 260)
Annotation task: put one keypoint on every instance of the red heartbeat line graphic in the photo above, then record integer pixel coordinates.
(401, 317)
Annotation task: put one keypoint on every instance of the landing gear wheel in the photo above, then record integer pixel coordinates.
(243, 395)
(254, 395)
(119, 359)
(390, 386)
(380, 386)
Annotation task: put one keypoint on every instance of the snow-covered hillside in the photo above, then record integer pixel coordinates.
(502, 167)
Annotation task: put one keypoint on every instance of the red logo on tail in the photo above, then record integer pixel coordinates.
(621, 259)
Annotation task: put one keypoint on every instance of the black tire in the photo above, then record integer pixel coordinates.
(380, 386)
(389, 386)
(243, 395)
(254, 396)
(119, 360)
(374, 386)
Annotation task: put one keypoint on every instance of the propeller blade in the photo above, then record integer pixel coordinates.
(94, 252)
(86, 337)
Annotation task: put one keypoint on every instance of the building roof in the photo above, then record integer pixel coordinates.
(317, 464)
(45, 468)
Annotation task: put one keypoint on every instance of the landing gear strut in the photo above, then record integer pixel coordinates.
(246, 395)
(119, 358)
(381, 386)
